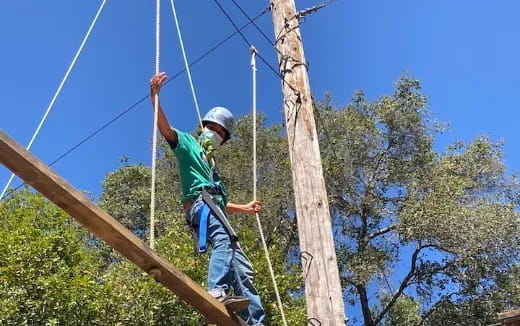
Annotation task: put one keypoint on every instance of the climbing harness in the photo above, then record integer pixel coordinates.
(218, 213)
(209, 202)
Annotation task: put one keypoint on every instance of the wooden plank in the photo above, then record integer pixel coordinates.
(515, 321)
(510, 318)
(509, 314)
(97, 221)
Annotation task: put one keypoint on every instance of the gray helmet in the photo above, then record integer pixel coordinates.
(222, 117)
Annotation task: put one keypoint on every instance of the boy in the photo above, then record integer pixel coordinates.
(205, 204)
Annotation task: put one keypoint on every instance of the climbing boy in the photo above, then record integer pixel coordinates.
(206, 206)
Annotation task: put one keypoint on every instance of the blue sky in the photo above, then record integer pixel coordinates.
(464, 52)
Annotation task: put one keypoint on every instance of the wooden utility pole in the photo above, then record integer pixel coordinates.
(318, 256)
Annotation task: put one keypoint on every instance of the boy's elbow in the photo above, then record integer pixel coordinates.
(170, 135)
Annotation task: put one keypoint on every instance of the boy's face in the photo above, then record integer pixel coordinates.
(216, 128)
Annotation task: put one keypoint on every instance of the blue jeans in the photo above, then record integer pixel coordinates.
(228, 265)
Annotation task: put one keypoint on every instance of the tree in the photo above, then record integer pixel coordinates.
(61, 274)
(445, 223)
(48, 276)
(423, 238)
(97, 286)
(405, 312)
(126, 197)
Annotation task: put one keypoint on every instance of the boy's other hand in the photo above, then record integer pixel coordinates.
(253, 207)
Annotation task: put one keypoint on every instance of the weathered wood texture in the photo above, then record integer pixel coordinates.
(56, 189)
(509, 314)
(510, 318)
(322, 284)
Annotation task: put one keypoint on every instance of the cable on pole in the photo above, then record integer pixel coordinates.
(255, 25)
(142, 99)
(277, 73)
(245, 38)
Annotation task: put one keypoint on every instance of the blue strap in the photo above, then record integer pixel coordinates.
(203, 227)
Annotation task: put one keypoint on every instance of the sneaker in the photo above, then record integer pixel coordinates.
(232, 303)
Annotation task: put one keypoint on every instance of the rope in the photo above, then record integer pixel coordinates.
(277, 73)
(133, 106)
(279, 301)
(245, 38)
(60, 87)
(254, 24)
(155, 118)
(253, 64)
(188, 72)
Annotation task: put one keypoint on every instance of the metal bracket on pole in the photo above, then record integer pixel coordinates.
(302, 13)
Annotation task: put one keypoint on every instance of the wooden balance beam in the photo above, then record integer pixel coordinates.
(60, 192)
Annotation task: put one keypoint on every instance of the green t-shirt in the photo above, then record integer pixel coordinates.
(194, 169)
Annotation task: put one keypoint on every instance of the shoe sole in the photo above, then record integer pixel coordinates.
(235, 304)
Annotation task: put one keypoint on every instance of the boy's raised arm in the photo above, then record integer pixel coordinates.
(168, 133)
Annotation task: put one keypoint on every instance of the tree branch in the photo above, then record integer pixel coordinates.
(363, 240)
(382, 231)
(365, 308)
(432, 309)
(404, 284)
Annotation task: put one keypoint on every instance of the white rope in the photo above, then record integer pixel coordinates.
(253, 67)
(60, 87)
(188, 71)
(253, 64)
(155, 118)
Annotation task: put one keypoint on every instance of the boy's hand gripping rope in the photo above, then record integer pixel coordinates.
(155, 118)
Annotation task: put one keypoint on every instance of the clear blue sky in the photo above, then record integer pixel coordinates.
(464, 52)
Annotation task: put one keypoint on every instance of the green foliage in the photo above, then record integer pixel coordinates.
(126, 193)
(55, 273)
(405, 312)
(422, 237)
(444, 225)
(47, 275)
